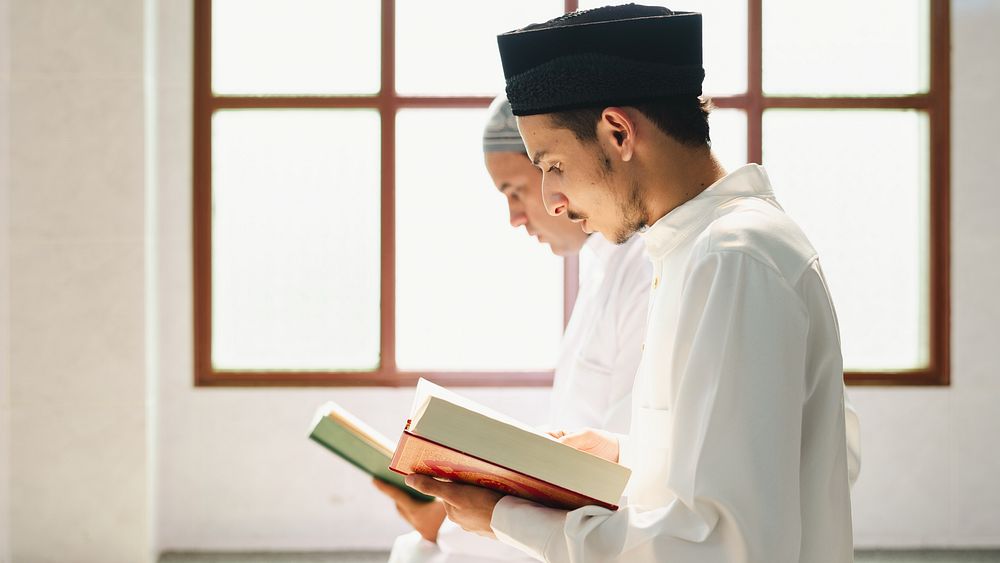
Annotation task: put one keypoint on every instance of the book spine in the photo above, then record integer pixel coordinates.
(415, 454)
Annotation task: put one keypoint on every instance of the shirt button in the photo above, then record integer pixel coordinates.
(656, 281)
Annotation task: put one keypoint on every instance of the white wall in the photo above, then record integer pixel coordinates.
(4, 282)
(78, 445)
(236, 471)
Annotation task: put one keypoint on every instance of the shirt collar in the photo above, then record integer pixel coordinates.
(669, 231)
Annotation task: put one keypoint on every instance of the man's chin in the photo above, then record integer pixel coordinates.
(616, 237)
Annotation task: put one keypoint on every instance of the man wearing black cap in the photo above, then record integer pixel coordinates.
(738, 442)
(598, 354)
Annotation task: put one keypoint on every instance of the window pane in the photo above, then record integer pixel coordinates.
(289, 47)
(728, 128)
(724, 40)
(857, 182)
(437, 55)
(295, 273)
(855, 47)
(471, 292)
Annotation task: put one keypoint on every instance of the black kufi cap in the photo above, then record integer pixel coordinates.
(616, 55)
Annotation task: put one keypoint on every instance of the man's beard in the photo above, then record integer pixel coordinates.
(630, 205)
(633, 213)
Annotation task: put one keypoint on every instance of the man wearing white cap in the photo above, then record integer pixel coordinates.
(598, 355)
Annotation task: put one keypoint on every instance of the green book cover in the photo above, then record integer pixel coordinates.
(347, 436)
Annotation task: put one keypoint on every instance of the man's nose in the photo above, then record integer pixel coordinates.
(517, 216)
(555, 202)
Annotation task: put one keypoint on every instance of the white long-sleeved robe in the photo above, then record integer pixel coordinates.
(593, 381)
(738, 442)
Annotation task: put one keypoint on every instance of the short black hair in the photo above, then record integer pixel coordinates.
(683, 118)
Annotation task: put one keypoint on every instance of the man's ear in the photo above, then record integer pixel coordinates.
(617, 129)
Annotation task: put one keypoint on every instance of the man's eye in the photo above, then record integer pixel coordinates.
(555, 168)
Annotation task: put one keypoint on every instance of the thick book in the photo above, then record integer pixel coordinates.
(346, 435)
(455, 439)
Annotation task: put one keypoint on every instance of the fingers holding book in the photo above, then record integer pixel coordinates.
(598, 442)
(469, 506)
(425, 517)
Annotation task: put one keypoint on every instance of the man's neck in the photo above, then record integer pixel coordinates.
(678, 178)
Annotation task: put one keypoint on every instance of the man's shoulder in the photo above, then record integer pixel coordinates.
(760, 229)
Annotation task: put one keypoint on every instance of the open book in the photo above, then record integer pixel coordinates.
(456, 439)
(350, 438)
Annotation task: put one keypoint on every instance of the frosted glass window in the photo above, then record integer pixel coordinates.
(295, 47)
(853, 47)
(449, 47)
(857, 183)
(472, 293)
(724, 40)
(728, 129)
(295, 249)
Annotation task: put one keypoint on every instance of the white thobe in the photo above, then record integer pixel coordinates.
(600, 351)
(738, 443)
(592, 386)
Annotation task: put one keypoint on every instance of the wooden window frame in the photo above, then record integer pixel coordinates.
(936, 103)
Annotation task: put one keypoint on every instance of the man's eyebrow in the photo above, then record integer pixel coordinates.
(538, 157)
(503, 187)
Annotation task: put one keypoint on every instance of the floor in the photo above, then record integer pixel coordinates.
(927, 556)
(337, 557)
(924, 556)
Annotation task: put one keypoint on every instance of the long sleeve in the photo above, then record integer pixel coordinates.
(721, 453)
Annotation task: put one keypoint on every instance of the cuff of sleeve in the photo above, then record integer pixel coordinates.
(526, 525)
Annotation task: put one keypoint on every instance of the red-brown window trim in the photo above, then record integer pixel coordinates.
(936, 103)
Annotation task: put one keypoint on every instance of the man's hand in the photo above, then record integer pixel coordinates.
(598, 442)
(468, 506)
(425, 517)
